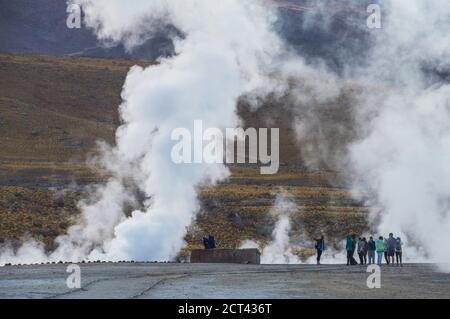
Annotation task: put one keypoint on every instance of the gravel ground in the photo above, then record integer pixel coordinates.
(186, 281)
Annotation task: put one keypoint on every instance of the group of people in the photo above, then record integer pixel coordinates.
(390, 248)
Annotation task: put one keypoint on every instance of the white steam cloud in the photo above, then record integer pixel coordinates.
(226, 50)
(404, 150)
(390, 128)
(279, 250)
(396, 128)
(391, 132)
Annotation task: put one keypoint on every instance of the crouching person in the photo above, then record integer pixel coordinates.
(209, 242)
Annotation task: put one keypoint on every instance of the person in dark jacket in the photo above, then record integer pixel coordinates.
(320, 247)
(398, 252)
(205, 242)
(386, 257)
(391, 244)
(371, 248)
(211, 242)
(354, 249)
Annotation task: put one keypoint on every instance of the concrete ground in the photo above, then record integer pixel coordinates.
(228, 281)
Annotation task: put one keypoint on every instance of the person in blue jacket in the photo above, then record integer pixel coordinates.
(320, 247)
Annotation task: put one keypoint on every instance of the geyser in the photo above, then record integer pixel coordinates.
(227, 50)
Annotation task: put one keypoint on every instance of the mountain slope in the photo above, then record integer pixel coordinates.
(52, 112)
(330, 29)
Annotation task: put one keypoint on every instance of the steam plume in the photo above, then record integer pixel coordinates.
(395, 139)
(279, 250)
(226, 50)
(404, 150)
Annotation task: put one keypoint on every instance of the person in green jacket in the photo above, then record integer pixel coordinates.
(379, 244)
(350, 247)
(371, 248)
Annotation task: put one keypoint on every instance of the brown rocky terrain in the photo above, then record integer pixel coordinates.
(52, 112)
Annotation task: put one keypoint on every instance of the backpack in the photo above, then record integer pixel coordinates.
(361, 246)
(398, 245)
(320, 245)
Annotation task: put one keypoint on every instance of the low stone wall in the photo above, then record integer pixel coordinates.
(232, 256)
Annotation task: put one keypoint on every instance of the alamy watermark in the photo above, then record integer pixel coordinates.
(214, 146)
(73, 281)
(374, 279)
(74, 16)
(374, 18)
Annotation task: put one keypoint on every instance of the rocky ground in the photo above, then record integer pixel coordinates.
(189, 281)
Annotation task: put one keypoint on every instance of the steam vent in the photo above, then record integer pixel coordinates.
(231, 256)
